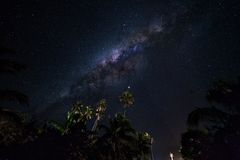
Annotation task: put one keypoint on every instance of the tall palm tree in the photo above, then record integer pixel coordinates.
(10, 121)
(127, 100)
(119, 139)
(100, 109)
(11, 67)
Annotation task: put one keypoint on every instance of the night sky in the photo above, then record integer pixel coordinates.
(166, 52)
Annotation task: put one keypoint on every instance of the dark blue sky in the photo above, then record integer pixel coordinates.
(62, 42)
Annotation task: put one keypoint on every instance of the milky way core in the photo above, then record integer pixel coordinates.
(124, 59)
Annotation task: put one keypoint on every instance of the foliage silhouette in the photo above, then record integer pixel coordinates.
(12, 129)
(214, 132)
(76, 139)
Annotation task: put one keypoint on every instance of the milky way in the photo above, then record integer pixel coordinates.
(88, 50)
(111, 72)
(124, 59)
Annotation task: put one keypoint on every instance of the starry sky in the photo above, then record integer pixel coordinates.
(166, 52)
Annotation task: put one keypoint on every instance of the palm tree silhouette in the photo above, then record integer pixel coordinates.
(100, 109)
(127, 100)
(144, 146)
(119, 138)
(10, 121)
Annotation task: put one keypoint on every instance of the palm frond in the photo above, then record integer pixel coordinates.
(13, 95)
(9, 115)
(59, 127)
(8, 66)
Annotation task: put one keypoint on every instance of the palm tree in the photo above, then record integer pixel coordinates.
(100, 109)
(144, 146)
(12, 67)
(127, 100)
(119, 139)
(13, 95)
(76, 119)
(10, 122)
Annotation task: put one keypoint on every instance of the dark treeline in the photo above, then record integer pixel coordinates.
(76, 139)
(82, 136)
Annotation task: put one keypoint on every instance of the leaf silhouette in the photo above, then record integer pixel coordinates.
(13, 95)
(201, 114)
(8, 66)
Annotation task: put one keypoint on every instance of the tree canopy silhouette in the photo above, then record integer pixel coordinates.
(11, 123)
(214, 132)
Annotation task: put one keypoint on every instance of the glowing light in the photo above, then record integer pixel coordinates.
(171, 156)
